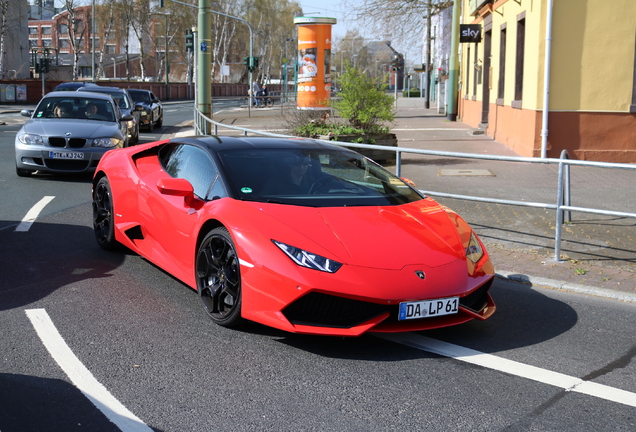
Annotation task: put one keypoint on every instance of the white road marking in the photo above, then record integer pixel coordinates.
(566, 382)
(33, 214)
(81, 377)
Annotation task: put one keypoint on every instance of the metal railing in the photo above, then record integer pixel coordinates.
(205, 126)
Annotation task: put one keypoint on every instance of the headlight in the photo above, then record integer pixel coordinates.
(30, 139)
(474, 252)
(308, 259)
(144, 113)
(130, 124)
(107, 142)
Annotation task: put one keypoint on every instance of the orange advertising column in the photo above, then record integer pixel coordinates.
(314, 62)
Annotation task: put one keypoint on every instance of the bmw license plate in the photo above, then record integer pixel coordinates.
(66, 155)
(428, 308)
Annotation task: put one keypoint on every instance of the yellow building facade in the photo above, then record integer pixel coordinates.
(591, 76)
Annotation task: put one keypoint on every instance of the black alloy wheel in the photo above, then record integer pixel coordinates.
(219, 278)
(103, 220)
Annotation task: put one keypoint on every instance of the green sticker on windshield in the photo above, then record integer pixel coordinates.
(246, 190)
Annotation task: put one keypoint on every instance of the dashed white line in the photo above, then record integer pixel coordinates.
(81, 377)
(33, 214)
(566, 382)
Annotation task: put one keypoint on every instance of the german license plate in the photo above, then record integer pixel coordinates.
(428, 308)
(66, 155)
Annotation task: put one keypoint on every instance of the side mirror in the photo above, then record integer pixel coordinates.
(128, 117)
(26, 113)
(178, 187)
(175, 186)
(139, 107)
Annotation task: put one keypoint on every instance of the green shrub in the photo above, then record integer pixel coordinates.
(363, 101)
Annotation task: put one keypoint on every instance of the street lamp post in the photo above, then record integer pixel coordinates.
(285, 80)
(166, 65)
(114, 67)
(93, 41)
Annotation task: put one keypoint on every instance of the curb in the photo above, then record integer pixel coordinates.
(566, 286)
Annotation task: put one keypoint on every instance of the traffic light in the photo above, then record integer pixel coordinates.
(189, 41)
(251, 63)
(43, 65)
(395, 62)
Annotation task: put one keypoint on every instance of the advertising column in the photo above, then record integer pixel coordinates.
(314, 62)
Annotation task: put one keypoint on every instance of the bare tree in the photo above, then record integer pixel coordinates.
(4, 8)
(76, 31)
(404, 18)
(138, 15)
(106, 16)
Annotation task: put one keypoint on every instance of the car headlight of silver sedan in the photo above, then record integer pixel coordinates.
(309, 259)
(31, 139)
(107, 142)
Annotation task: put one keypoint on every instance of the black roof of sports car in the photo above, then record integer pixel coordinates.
(220, 143)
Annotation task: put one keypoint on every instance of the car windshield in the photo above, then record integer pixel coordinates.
(75, 108)
(120, 98)
(313, 177)
(140, 96)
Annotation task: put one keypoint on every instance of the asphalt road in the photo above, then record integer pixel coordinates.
(97, 341)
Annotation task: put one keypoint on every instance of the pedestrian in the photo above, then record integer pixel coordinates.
(256, 91)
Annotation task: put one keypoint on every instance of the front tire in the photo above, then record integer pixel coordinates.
(103, 215)
(219, 278)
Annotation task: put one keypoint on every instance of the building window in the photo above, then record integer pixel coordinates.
(46, 30)
(521, 38)
(502, 66)
(46, 42)
(63, 29)
(64, 44)
(33, 30)
(33, 43)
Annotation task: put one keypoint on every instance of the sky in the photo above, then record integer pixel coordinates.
(332, 9)
(337, 9)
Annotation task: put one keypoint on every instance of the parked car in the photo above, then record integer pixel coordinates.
(152, 114)
(69, 132)
(126, 106)
(74, 86)
(296, 234)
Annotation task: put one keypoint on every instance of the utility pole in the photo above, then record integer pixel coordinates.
(453, 69)
(427, 101)
(167, 64)
(204, 60)
(93, 41)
